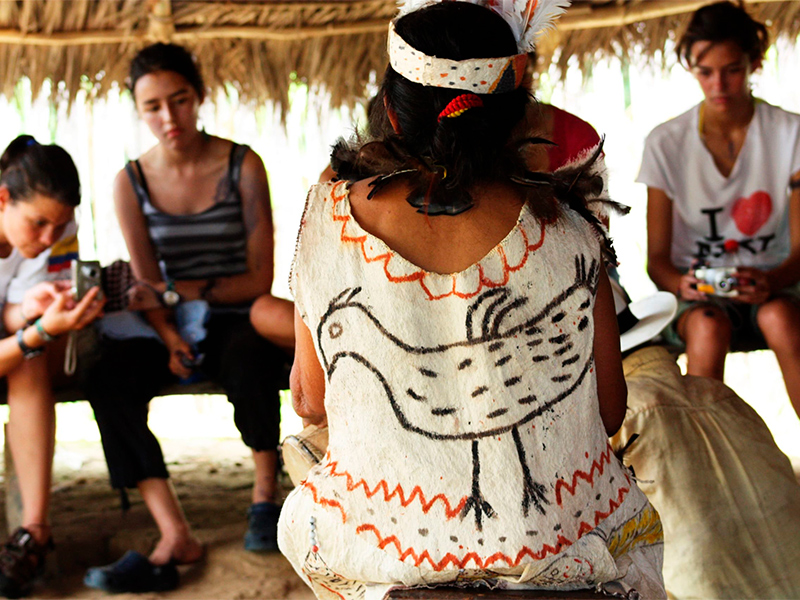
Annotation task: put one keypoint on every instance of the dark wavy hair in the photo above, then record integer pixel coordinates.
(166, 57)
(28, 167)
(469, 148)
(724, 22)
(442, 161)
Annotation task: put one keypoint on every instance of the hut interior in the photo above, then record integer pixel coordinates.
(63, 66)
(56, 55)
(259, 48)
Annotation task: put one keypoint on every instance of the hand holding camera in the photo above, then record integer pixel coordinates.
(744, 284)
(754, 286)
(65, 314)
(54, 303)
(717, 281)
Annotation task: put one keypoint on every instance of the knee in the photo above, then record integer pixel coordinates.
(707, 328)
(779, 321)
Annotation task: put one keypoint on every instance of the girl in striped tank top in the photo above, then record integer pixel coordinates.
(195, 214)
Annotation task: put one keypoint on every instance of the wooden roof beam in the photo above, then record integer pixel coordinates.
(188, 34)
(160, 26)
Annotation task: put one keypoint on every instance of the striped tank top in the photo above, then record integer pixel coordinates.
(209, 244)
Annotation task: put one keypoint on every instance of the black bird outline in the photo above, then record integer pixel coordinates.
(544, 339)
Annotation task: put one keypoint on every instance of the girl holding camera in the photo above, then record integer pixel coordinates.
(39, 190)
(723, 187)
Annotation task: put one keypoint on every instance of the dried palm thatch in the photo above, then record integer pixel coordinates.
(260, 47)
(641, 29)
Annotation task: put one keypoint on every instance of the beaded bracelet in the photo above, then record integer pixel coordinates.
(46, 337)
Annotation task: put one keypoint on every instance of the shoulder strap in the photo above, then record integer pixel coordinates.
(136, 175)
(235, 165)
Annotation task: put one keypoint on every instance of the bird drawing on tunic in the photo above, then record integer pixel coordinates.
(451, 395)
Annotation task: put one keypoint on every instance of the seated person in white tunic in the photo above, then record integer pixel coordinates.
(723, 187)
(455, 326)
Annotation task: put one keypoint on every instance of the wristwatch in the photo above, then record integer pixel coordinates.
(27, 352)
(170, 297)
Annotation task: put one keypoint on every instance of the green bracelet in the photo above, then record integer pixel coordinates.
(46, 337)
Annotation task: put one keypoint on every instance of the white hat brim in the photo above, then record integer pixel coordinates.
(653, 313)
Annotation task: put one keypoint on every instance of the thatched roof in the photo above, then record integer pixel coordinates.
(259, 47)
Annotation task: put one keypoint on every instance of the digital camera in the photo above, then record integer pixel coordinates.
(86, 274)
(717, 281)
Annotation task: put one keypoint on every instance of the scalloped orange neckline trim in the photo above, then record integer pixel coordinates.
(420, 275)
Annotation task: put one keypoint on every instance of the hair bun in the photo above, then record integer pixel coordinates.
(15, 150)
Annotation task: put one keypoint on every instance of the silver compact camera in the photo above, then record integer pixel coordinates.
(717, 281)
(86, 274)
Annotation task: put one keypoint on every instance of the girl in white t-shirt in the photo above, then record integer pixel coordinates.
(39, 191)
(724, 188)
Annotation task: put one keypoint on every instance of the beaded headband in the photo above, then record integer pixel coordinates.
(528, 19)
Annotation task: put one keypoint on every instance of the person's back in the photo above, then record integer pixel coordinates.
(429, 242)
(727, 495)
(448, 316)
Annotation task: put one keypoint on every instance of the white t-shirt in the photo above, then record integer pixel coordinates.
(18, 274)
(750, 206)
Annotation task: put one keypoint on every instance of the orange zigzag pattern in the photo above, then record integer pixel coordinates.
(461, 563)
(419, 275)
(599, 516)
(597, 468)
(483, 563)
(416, 494)
(324, 501)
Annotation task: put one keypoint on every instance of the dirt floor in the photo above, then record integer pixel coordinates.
(213, 480)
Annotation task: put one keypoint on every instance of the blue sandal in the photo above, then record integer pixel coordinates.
(262, 530)
(132, 573)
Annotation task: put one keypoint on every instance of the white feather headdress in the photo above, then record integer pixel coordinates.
(528, 19)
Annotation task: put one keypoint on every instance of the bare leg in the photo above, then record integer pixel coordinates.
(265, 487)
(779, 321)
(706, 330)
(31, 437)
(177, 542)
(273, 318)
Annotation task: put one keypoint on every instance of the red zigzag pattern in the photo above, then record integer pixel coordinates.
(497, 557)
(597, 469)
(419, 275)
(416, 494)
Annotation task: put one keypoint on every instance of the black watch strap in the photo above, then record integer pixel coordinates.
(27, 351)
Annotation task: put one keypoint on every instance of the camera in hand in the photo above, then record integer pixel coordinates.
(717, 281)
(86, 274)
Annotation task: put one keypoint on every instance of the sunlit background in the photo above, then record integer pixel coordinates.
(622, 101)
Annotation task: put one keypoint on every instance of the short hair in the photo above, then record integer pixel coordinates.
(724, 22)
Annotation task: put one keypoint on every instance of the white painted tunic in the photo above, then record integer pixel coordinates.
(466, 442)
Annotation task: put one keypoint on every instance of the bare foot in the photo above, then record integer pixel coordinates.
(183, 551)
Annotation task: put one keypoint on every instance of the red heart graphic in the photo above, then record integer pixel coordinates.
(751, 213)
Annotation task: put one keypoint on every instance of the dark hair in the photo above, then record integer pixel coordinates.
(724, 22)
(441, 161)
(166, 57)
(28, 167)
(469, 148)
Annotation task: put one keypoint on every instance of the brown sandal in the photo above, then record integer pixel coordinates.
(21, 562)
